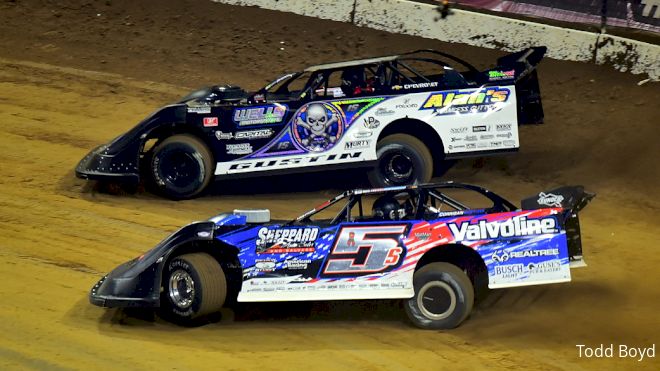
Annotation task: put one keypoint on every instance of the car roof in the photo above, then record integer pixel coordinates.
(356, 62)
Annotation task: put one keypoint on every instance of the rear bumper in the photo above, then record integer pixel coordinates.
(99, 165)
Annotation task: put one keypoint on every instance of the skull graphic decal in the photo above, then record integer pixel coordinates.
(318, 126)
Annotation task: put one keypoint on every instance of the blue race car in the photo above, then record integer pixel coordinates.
(432, 245)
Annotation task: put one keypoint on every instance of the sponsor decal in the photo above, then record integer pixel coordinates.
(199, 109)
(259, 98)
(270, 114)
(423, 236)
(455, 139)
(509, 143)
(210, 121)
(479, 128)
(384, 112)
(406, 104)
(297, 264)
(421, 85)
(352, 107)
(504, 256)
(284, 145)
(507, 135)
(254, 134)
(467, 100)
(470, 145)
(223, 136)
(519, 269)
(514, 227)
(318, 126)
(495, 144)
(363, 134)
(503, 127)
(456, 146)
(371, 123)
(487, 136)
(458, 130)
(239, 149)
(501, 75)
(267, 265)
(550, 199)
(471, 138)
(357, 144)
(482, 145)
(311, 161)
(286, 240)
(450, 213)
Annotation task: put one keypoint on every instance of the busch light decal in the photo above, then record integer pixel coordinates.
(318, 126)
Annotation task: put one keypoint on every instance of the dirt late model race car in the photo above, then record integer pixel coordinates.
(396, 116)
(419, 243)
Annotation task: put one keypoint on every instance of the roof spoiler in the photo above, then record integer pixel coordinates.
(524, 61)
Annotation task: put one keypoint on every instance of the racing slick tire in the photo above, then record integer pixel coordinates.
(402, 160)
(443, 299)
(194, 286)
(181, 166)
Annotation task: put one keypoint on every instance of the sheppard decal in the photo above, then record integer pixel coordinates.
(466, 101)
(288, 161)
(514, 227)
(271, 114)
(286, 240)
(239, 149)
(549, 199)
(501, 75)
(318, 126)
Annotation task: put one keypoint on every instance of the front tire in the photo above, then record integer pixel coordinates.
(181, 167)
(194, 286)
(402, 160)
(443, 299)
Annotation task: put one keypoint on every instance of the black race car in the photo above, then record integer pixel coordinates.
(396, 116)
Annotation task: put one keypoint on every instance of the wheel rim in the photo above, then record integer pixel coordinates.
(181, 289)
(398, 168)
(180, 169)
(436, 300)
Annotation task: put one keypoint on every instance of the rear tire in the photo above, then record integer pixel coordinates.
(402, 160)
(443, 299)
(181, 167)
(194, 286)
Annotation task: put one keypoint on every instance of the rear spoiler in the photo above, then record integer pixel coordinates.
(572, 198)
(523, 62)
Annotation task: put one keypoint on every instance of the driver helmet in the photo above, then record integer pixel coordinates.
(388, 208)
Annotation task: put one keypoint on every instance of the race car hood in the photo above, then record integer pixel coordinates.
(215, 94)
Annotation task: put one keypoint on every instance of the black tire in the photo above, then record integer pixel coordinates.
(448, 304)
(402, 160)
(194, 286)
(181, 167)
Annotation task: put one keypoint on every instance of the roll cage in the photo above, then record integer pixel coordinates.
(419, 195)
(387, 70)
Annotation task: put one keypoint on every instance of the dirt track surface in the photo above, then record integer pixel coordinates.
(58, 234)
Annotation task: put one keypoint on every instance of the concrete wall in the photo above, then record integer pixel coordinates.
(483, 30)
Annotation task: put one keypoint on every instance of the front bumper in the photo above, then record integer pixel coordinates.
(113, 293)
(100, 165)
